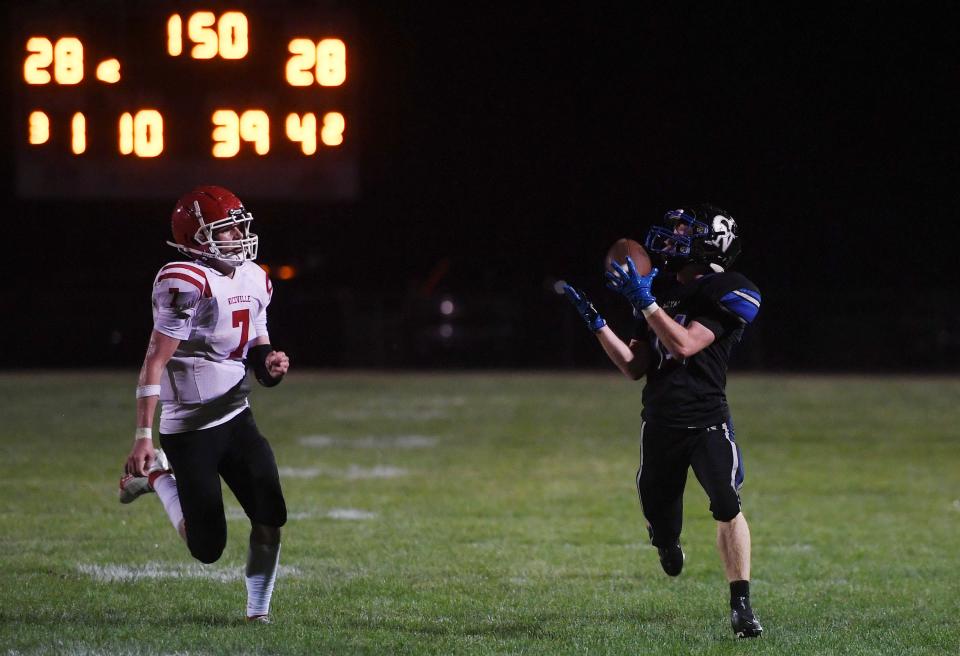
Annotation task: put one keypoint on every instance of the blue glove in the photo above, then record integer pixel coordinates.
(589, 313)
(631, 284)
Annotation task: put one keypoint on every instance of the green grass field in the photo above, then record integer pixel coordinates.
(491, 513)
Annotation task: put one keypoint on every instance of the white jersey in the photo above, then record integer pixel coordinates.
(216, 318)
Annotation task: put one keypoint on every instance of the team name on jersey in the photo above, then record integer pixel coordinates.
(238, 299)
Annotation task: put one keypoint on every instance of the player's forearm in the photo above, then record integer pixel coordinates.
(674, 337)
(152, 370)
(146, 409)
(631, 364)
(148, 390)
(159, 351)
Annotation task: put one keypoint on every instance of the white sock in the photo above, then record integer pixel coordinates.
(165, 485)
(261, 573)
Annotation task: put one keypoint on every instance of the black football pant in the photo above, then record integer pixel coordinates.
(237, 452)
(665, 456)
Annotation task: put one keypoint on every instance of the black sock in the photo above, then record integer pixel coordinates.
(739, 589)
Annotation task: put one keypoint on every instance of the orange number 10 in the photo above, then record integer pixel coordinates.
(141, 134)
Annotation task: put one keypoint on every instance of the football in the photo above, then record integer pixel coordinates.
(621, 249)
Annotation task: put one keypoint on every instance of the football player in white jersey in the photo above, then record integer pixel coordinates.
(210, 326)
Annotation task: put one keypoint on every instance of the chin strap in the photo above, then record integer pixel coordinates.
(257, 360)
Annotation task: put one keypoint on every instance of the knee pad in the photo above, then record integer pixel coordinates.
(725, 509)
(271, 511)
(206, 549)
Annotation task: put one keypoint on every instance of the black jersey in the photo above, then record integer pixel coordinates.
(691, 392)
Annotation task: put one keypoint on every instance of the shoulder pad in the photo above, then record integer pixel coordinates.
(179, 287)
(187, 273)
(733, 293)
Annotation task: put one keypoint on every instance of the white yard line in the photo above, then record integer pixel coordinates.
(352, 473)
(237, 514)
(350, 513)
(370, 441)
(356, 472)
(299, 472)
(113, 573)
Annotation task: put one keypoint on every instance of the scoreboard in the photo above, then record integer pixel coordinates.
(147, 100)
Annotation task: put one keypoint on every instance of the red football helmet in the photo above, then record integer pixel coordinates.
(205, 211)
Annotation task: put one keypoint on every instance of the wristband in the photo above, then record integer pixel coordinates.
(257, 360)
(650, 309)
(143, 433)
(147, 390)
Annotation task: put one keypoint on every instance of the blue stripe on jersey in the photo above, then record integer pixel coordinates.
(745, 303)
(751, 293)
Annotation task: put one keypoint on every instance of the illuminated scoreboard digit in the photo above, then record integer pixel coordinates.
(146, 102)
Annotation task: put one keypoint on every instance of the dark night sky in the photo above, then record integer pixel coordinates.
(522, 141)
(822, 131)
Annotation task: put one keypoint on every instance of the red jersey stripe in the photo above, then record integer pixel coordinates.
(203, 287)
(195, 269)
(189, 267)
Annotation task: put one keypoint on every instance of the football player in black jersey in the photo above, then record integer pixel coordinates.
(682, 341)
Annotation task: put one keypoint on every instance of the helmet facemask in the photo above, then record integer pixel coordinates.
(675, 239)
(232, 251)
(686, 237)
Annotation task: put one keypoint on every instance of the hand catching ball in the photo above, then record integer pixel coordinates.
(627, 247)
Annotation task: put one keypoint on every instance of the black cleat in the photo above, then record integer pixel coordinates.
(671, 559)
(744, 624)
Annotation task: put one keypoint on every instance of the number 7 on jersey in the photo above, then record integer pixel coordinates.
(241, 319)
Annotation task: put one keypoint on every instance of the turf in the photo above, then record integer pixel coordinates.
(491, 513)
